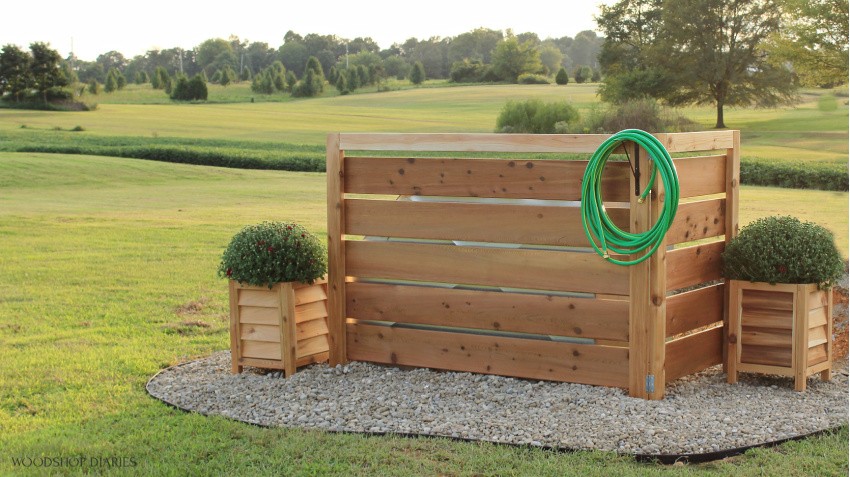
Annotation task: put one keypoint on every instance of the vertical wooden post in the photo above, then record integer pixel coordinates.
(800, 337)
(336, 252)
(733, 180)
(288, 342)
(825, 375)
(647, 297)
(235, 341)
(733, 329)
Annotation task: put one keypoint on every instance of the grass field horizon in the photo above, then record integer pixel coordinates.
(109, 276)
(800, 133)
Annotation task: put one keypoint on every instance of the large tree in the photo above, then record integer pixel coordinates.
(693, 52)
(715, 51)
(46, 69)
(15, 75)
(814, 39)
(512, 58)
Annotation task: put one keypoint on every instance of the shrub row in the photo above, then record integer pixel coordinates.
(800, 175)
(197, 156)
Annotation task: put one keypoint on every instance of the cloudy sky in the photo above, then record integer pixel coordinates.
(97, 26)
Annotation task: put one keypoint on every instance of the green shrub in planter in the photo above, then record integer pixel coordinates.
(783, 250)
(272, 252)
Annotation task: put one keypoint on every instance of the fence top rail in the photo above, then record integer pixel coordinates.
(532, 143)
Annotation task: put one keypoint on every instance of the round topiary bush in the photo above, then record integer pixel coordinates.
(783, 250)
(272, 252)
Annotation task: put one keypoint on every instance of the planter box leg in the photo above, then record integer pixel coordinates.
(826, 375)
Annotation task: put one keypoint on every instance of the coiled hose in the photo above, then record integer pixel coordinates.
(598, 226)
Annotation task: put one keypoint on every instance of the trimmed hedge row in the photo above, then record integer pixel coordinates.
(189, 155)
(801, 175)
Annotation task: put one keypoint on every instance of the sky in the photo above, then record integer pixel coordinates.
(97, 26)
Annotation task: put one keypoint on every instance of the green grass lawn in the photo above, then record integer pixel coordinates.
(103, 259)
(798, 134)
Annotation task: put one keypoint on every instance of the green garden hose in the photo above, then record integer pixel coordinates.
(598, 226)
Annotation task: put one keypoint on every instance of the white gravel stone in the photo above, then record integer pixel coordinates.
(701, 413)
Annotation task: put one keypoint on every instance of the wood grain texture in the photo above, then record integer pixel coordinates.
(697, 221)
(535, 269)
(580, 143)
(701, 175)
(311, 329)
(694, 353)
(491, 178)
(532, 359)
(772, 356)
(288, 342)
(235, 345)
(311, 294)
(258, 315)
(261, 350)
(511, 312)
(694, 309)
(260, 333)
(311, 346)
(260, 298)
(500, 223)
(335, 166)
(311, 311)
(693, 265)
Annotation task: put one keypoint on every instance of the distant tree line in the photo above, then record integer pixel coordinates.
(505, 54)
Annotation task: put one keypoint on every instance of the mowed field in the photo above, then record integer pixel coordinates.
(802, 133)
(109, 276)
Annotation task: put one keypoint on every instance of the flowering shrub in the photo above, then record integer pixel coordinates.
(783, 250)
(272, 252)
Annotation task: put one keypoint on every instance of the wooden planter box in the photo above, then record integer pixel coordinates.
(783, 329)
(284, 327)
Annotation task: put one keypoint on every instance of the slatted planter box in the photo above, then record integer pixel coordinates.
(783, 329)
(284, 327)
(458, 262)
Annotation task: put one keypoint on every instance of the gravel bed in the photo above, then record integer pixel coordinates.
(701, 413)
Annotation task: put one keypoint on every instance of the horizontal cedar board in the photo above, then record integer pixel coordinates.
(311, 311)
(817, 317)
(260, 333)
(818, 299)
(698, 220)
(694, 265)
(310, 359)
(510, 312)
(499, 178)
(767, 300)
(766, 318)
(817, 336)
(693, 353)
(773, 356)
(676, 142)
(535, 269)
(317, 344)
(701, 175)
(501, 223)
(310, 294)
(524, 358)
(261, 349)
(311, 329)
(817, 355)
(261, 298)
(765, 337)
(259, 315)
(694, 309)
